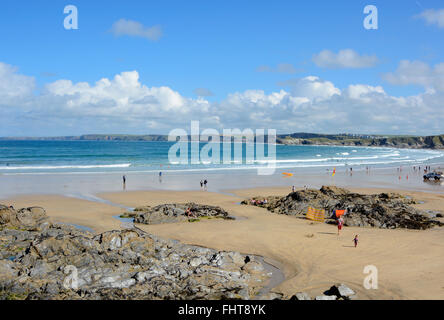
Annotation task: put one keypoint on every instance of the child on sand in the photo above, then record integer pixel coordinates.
(355, 240)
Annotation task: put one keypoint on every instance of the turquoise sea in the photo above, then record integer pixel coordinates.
(21, 157)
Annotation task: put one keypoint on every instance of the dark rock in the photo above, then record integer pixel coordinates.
(53, 261)
(27, 218)
(340, 291)
(170, 213)
(300, 296)
(385, 210)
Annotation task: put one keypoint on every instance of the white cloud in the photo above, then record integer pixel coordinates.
(433, 17)
(132, 28)
(418, 73)
(358, 108)
(346, 58)
(123, 97)
(14, 86)
(123, 104)
(312, 88)
(364, 93)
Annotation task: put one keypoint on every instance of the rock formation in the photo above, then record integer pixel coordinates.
(170, 213)
(384, 210)
(42, 260)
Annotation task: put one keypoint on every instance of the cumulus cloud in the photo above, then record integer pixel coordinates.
(346, 58)
(357, 108)
(123, 104)
(14, 86)
(311, 87)
(132, 28)
(418, 73)
(433, 17)
(122, 98)
(364, 93)
(280, 68)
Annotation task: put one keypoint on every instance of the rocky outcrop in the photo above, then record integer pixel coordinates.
(41, 260)
(170, 213)
(28, 218)
(384, 210)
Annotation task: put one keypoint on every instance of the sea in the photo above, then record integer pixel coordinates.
(52, 157)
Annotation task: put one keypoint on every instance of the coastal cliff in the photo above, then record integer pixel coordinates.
(414, 142)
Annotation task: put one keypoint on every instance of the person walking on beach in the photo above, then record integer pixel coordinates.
(355, 240)
(340, 224)
(205, 184)
(124, 182)
(201, 185)
(293, 189)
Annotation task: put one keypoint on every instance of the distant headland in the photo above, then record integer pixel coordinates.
(302, 138)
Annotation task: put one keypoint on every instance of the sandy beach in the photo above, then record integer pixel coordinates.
(410, 263)
(311, 255)
(93, 215)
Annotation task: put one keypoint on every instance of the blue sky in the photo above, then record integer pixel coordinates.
(231, 49)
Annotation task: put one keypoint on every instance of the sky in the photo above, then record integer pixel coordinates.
(147, 67)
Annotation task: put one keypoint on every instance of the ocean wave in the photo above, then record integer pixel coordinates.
(92, 166)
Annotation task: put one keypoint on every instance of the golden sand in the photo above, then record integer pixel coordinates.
(410, 263)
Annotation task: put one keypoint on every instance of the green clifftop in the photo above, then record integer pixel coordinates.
(416, 142)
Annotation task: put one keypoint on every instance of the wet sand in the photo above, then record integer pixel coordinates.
(86, 184)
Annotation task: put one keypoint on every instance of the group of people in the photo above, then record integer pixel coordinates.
(203, 185)
(255, 202)
(189, 213)
(418, 169)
